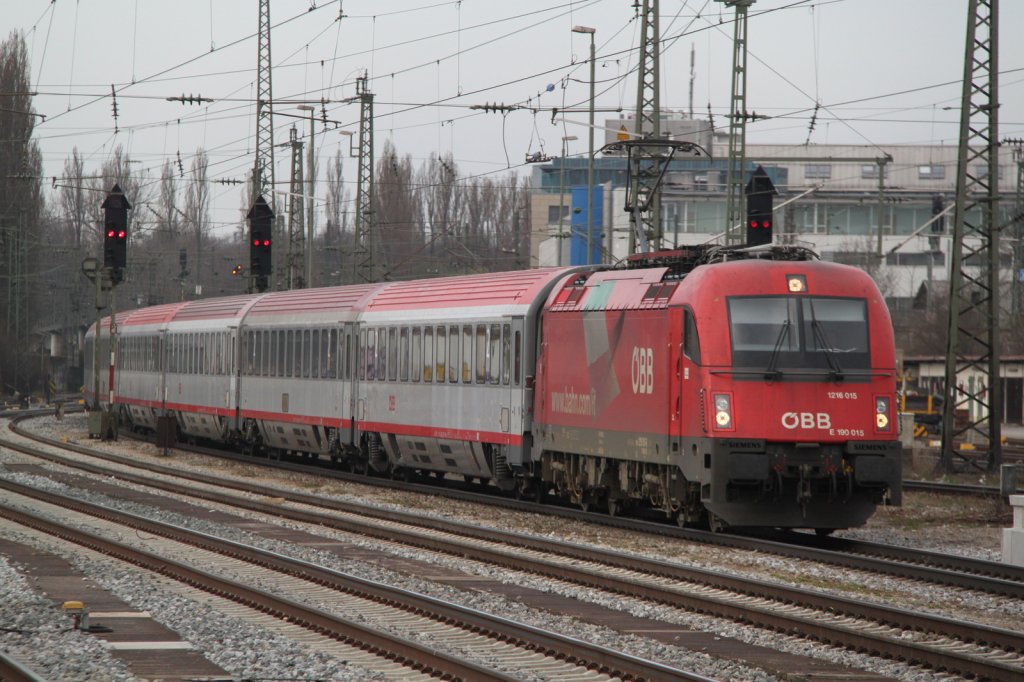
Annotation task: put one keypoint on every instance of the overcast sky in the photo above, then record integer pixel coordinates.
(884, 72)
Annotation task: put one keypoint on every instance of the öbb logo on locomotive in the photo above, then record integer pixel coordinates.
(806, 420)
(642, 370)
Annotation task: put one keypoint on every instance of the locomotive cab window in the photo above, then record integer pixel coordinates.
(691, 342)
(816, 334)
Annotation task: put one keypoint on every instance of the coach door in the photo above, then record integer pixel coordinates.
(164, 350)
(232, 362)
(511, 376)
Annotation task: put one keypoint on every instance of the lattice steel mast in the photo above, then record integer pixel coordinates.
(972, 350)
(296, 217)
(366, 234)
(647, 124)
(735, 209)
(263, 172)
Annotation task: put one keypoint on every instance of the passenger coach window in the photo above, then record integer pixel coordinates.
(467, 354)
(453, 355)
(416, 363)
(364, 353)
(428, 354)
(330, 366)
(506, 355)
(442, 349)
(403, 355)
(481, 353)
(519, 359)
(371, 354)
(494, 355)
(317, 354)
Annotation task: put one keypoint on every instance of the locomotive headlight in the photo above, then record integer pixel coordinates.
(882, 405)
(723, 411)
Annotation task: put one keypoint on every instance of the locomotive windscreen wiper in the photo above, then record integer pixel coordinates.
(819, 336)
(770, 372)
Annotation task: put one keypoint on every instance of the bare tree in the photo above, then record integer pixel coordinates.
(197, 208)
(21, 210)
(397, 216)
(72, 195)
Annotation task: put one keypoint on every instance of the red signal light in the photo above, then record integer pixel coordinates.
(753, 223)
(110, 233)
(766, 224)
(121, 234)
(255, 242)
(266, 242)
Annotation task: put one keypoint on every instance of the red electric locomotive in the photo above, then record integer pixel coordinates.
(738, 386)
(750, 387)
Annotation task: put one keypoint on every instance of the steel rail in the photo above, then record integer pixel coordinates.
(397, 649)
(952, 570)
(771, 617)
(607, 661)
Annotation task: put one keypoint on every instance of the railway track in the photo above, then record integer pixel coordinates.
(955, 571)
(513, 646)
(13, 671)
(944, 644)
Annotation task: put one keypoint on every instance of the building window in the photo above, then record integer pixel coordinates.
(931, 172)
(553, 212)
(981, 171)
(869, 171)
(818, 170)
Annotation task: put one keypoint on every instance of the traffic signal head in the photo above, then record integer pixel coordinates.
(760, 197)
(260, 243)
(115, 233)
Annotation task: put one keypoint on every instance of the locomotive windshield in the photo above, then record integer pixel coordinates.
(780, 333)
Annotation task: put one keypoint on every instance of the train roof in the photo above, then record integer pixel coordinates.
(327, 304)
(499, 290)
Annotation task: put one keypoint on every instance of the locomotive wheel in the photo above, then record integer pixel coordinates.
(715, 523)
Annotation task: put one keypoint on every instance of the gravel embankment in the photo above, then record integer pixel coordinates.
(923, 522)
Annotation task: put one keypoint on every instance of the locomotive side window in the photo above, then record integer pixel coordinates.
(481, 353)
(453, 355)
(428, 354)
(467, 354)
(691, 342)
(442, 350)
(416, 364)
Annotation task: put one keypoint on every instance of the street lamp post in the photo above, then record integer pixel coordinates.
(561, 198)
(310, 190)
(590, 151)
